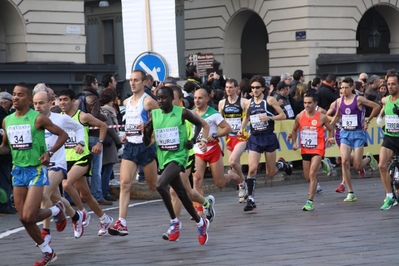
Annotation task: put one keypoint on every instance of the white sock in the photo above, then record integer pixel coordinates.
(390, 195)
(200, 223)
(54, 211)
(123, 221)
(104, 217)
(174, 220)
(45, 248)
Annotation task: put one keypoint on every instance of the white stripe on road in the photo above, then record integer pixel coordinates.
(16, 230)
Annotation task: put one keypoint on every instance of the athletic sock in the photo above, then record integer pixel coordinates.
(45, 247)
(390, 195)
(206, 203)
(251, 183)
(201, 222)
(75, 217)
(54, 210)
(123, 221)
(174, 220)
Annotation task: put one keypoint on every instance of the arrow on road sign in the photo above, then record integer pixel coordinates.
(152, 72)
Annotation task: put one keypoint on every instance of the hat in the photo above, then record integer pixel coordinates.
(281, 85)
(5, 96)
(170, 81)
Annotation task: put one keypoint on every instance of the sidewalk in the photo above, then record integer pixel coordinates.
(278, 233)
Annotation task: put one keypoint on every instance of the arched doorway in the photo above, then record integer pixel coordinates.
(12, 34)
(245, 43)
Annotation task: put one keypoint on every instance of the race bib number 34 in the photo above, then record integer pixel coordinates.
(20, 137)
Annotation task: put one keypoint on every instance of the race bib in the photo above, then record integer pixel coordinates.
(256, 123)
(132, 121)
(71, 141)
(349, 122)
(168, 139)
(309, 139)
(235, 124)
(392, 123)
(20, 137)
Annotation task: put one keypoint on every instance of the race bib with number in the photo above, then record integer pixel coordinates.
(257, 124)
(71, 141)
(349, 122)
(20, 137)
(168, 139)
(235, 124)
(392, 123)
(309, 139)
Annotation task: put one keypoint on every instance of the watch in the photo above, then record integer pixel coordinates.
(101, 141)
(367, 121)
(215, 135)
(50, 153)
(82, 143)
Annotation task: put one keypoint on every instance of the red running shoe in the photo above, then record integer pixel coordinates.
(46, 259)
(340, 188)
(203, 232)
(361, 173)
(174, 231)
(60, 219)
(118, 229)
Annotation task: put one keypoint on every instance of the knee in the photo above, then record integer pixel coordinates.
(383, 166)
(172, 193)
(67, 186)
(357, 166)
(234, 163)
(219, 183)
(346, 162)
(46, 197)
(252, 170)
(271, 172)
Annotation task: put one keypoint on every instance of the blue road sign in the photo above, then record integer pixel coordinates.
(153, 64)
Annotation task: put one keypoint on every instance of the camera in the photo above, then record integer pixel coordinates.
(156, 83)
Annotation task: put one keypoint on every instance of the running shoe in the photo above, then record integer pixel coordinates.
(118, 229)
(46, 258)
(250, 205)
(327, 166)
(319, 190)
(361, 173)
(3, 196)
(308, 206)
(340, 188)
(287, 168)
(388, 203)
(46, 237)
(373, 162)
(174, 231)
(350, 197)
(210, 211)
(242, 192)
(104, 225)
(60, 219)
(165, 236)
(86, 220)
(203, 232)
(78, 228)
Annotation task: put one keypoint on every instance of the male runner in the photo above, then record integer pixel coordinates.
(25, 135)
(351, 110)
(262, 111)
(135, 153)
(57, 169)
(78, 164)
(310, 124)
(168, 125)
(232, 109)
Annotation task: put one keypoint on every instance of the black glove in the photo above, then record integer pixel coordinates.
(189, 144)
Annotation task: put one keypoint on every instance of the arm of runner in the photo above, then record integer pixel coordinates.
(147, 132)
(199, 123)
(330, 111)
(337, 115)
(294, 133)
(280, 113)
(326, 123)
(43, 122)
(225, 129)
(4, 148)
(376, 107)
(150, 104)
(245, 119)
(221, 105)
(91, 120)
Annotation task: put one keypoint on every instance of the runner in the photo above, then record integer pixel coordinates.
(78, 164)
(232, 109)
(57, 169)
(205, 202)
(213, 155)
(310, 124)
(390, 145)
(24, 132)
(168, 124)
(351, 110)
(135, 152)
(262, 111)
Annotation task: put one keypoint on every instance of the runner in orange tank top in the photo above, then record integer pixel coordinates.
(311, 125)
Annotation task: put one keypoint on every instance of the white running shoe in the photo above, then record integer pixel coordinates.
(104, 225)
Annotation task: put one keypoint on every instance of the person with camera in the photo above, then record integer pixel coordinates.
(390, 145)
(351, 109)
(326, 92)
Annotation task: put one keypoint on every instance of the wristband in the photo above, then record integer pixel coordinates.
(204, 140)
(367, 121)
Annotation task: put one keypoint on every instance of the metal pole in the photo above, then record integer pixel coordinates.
(148, 23)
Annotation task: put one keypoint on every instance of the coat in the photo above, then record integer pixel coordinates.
(110, 152)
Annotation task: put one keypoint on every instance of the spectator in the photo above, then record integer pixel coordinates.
(372, 93)
(363, 77)
(148, 84)
(282, 98)
(383, 89)
(5, 159)
(326, 93)
(112, 142)
(108, 81)
(286, 77)
(298, 98)
(298, 78)
(359, 88)
(190, 88)
(273, 84)
(314, 84)
(245, 89)
(211, 94)
(193, 75)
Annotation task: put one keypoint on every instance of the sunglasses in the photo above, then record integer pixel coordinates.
(255, 87)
